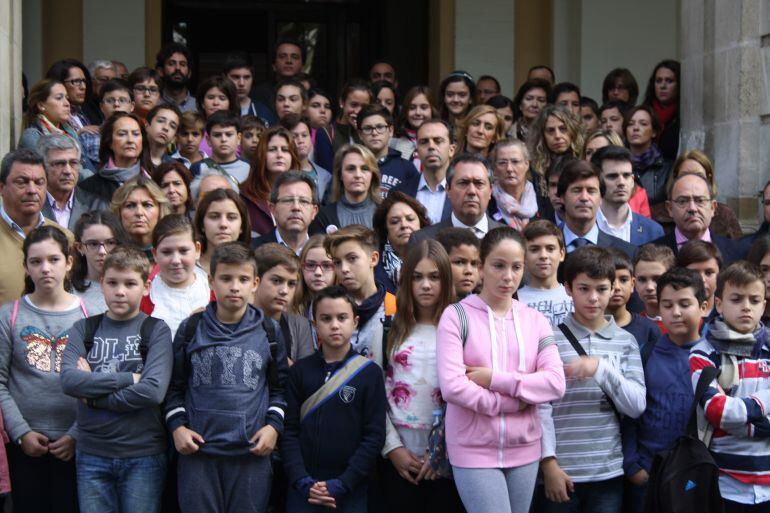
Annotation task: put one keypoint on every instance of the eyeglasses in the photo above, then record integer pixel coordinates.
(94, 245)
(374, 129)
(117, 101)
(311, 266)
(61, 164)
(146, 90)
(291, 201)
(684, 201)
(77, 82)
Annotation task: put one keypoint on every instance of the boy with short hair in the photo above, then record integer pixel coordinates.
(682, 301)
(225, 405)
(463, 248)
(353, 250)
(735, 404)
(162, 126)
(223, 133)
(649, 264)
(582, 463)
(644, 330)
(278, 273)
(375, 129)
(290, 97)
(705, 258)
(251, 128)
(545, 252)
(335, 419)
(119, 365)
(188, 139)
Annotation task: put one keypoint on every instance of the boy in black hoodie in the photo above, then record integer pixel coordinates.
(225, 404)
(335, 418)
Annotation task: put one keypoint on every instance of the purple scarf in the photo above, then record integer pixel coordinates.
(644, 160)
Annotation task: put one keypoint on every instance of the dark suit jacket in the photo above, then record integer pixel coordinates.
(608, 241)
(731, 250)
(429, 232)
(409, 187)
(263, 239)
(82, 202)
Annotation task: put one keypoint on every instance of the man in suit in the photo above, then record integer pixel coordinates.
(615, 216)
(294, 205)
(469, 188)
(691, 205)
(581, 189)
(435, 147)
(64, 202)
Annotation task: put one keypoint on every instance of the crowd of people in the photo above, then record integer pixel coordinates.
(265, 297)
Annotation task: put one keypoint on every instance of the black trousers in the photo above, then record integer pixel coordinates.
(41, 485)
(401, 496)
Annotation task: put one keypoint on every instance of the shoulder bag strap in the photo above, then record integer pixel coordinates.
(463, 318)
(344, 374)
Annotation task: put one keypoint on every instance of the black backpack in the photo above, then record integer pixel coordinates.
(145, 330)
(685, 478)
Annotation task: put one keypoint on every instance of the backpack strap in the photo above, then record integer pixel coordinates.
(707, 375)
(578, 347)
(288, 340)
(145, 333)
(390, 304)
(387, 324)
(463, 318)
(14, 315)
(92, 324)
(215, 165)
(272, 340)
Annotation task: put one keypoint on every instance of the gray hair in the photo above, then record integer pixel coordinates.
(290, 177)
(195, 186)
(468, 158)
(23, 155)
(508, 143)
(100, 64)
(55, 142)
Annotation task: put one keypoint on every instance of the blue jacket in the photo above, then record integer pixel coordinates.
(343, 437)
(644, 230)
(394, 170)
(643, 329)
(669, 397)
(222, 387)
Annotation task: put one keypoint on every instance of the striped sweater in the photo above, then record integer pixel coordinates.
(741, 441)
(581, 429)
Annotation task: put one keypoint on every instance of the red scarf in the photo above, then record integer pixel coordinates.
(665, 112)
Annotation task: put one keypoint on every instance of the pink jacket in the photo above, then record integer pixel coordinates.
(497, 427)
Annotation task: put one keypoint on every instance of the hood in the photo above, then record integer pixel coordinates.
(370, 305)
(218, 333)
(664, 346)
(727, 340)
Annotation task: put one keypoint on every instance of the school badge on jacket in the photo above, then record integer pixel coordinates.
(347, 394)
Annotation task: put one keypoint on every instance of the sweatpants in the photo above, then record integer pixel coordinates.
(223, 484)
(496, 490)
(41, 485)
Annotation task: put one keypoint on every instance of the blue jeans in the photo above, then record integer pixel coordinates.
(355, 502)
(595, 497)
(120, 485)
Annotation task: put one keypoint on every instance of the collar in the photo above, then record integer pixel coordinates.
(52, 201)
(607, 332)
(681, 238)
(482, 227)
(601, 218)
(14, 226)
(423, 185)
(282, 242)
(569, 235)
(167, 99)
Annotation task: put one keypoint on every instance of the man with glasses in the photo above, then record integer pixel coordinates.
(691, 205)
(114, 96)
(469, 189)
(375, 129)
(101, 72)
(65, 202)
(174, 63)
(294, 205)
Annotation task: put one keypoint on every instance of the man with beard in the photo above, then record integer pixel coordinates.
(173, 63)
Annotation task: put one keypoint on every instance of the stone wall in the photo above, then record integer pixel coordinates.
(10, 77)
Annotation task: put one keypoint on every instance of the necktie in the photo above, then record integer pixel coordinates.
(580, 242)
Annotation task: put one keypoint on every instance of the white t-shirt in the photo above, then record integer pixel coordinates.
(554, 303)
(175, 305)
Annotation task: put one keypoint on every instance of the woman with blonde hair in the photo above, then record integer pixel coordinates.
(355, 191)
(140, 204)
(480, 130)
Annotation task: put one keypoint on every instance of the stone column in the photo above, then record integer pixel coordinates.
(725, 87)
(10, 78)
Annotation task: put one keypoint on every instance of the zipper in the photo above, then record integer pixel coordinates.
(504, 358)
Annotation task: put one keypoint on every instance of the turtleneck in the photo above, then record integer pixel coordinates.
(355, 213)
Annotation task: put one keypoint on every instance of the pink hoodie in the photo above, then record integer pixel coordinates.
(497, 427)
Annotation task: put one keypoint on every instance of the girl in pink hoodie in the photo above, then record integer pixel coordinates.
(493, 380)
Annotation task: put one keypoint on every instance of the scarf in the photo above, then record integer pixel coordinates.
(391, 262)
(49, 128)
(646, 159)
(665, 112)
(516, 213)
(120, 174)
(370, 306)
(728, 341)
